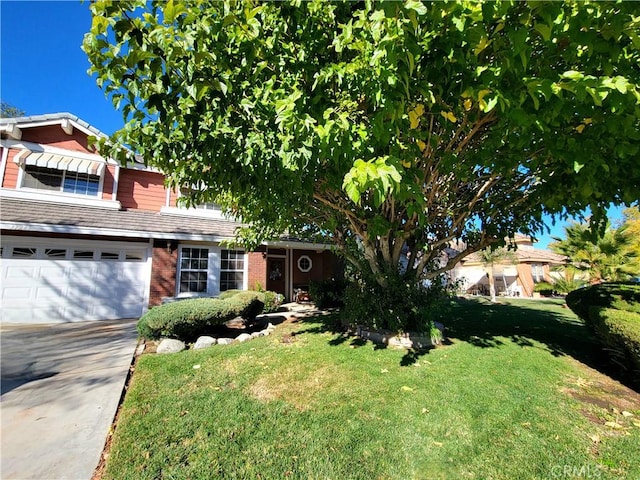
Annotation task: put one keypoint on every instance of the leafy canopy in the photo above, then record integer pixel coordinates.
(394, 128)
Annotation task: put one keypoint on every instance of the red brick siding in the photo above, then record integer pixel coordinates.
(54, 135)
(257, 275)
(11, 171)
(163, 273)
(141, 190)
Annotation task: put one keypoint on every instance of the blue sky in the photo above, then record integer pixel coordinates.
(43, 70)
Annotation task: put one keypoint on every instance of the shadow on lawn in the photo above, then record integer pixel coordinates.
(528, 324)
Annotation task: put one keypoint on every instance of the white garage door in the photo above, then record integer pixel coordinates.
(59, 281)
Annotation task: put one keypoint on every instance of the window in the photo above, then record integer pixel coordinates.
(104, 255)
(43, 178)
(194, 270)
(231, 270)
(304, 263)
(55, 252)
(21, 252)
(83, 254)
(537, 272)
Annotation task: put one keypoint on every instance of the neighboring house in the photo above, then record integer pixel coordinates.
(84, 238)
(517, 278)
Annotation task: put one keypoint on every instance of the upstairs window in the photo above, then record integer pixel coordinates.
(44, 178)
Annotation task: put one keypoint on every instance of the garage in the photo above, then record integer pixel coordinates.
(61, 280)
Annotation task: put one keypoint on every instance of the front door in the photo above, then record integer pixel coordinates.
(276, 275)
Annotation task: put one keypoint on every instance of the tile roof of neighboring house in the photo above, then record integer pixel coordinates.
(30, 216)
(525, 255)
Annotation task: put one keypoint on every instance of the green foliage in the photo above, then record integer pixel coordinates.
(495, 404)
(612, 311)
(9, 111)
(609, 255)
(400, 306)
(190, 318)
(622, 296)
(563, 285)
(544, 288)
(328, 293)
(391, 128)
(271, 301)
(619, 331)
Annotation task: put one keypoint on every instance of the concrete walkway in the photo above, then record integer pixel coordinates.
(61, 385)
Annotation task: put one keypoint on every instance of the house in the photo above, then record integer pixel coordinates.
(84, 238)
(515, 277)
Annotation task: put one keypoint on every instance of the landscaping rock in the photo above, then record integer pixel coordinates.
(204, 342)
(225, 341)
(257, 334)
(170, 345)
(243, 337)
(270, 327)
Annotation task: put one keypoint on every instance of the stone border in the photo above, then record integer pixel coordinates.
(406, 340)
(170, 345)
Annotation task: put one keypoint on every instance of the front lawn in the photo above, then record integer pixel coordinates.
(513, 396)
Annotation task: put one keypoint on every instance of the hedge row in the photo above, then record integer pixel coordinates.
(188, 319)
(612, 311)
(619, 331)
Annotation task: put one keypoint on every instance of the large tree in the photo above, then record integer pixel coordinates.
(392, 128)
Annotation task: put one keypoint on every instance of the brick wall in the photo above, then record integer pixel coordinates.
(163, 272)
(257, 270)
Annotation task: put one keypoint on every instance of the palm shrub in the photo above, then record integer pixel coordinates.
(563, 285)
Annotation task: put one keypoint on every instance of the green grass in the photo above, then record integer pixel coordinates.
(509, 398)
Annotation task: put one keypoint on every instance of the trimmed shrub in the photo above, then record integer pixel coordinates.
(622, 296)
(328, 293)
(271, 300)
(612, 311)
(619, 331)
(188, 319)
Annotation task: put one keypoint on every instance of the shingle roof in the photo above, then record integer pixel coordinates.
(51, 217)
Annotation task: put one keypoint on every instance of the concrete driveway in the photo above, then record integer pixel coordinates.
(61, 385)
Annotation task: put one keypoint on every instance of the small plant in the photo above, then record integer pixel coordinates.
(544, 288)
(562, 285)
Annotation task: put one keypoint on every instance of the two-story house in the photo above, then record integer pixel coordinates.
(84, 238)
(516, 276)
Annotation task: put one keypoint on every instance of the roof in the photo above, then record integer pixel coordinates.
(525, 255)
(32, 216)
(50, 118)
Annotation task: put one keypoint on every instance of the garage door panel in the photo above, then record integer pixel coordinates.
(42, 289)
(16, 295)
(20, 272)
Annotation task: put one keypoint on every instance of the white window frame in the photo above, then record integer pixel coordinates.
(300, 267)
(243, 270)
(537, 272)
(210, 262)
